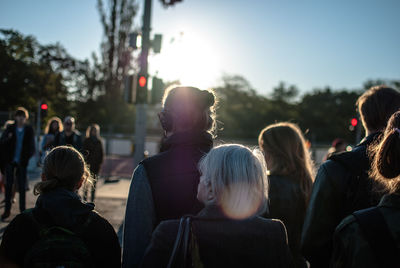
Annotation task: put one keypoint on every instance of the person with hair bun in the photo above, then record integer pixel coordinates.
(371, 237)
(229, 231)
(164, 186)
(59, 206)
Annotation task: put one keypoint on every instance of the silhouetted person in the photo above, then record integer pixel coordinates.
(342, 185)
(164, 186)
(291, 177)
(371, 237)
(18, 142)
(338, 145)
(228, 231)
(70, 136)
(53, 127)
(61, 230)
(94, 155)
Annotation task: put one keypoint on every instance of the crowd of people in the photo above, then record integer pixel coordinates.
(197, 204)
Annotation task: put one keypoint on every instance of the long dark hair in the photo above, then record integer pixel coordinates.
(386, 156)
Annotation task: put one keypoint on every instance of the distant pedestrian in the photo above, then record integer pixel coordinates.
(61, 230)
(291, 175)
(164, 186)
(94, 155)
(18, 143)
(3, 162)
(53, 127)
(69, 136)
(228, 232)
(371, 237)
(342, 185)
(338, 145)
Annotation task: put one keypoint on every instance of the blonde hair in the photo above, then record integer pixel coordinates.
(64, 167)
(238, 179)
(191, 108)
(285, 146)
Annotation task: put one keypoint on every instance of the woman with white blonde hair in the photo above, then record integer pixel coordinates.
(228, 232)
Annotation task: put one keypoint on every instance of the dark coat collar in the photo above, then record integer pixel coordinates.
(202, 140)
(390, 200)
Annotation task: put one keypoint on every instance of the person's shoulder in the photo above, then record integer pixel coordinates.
(347, 225)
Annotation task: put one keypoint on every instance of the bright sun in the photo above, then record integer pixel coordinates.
(188, 58)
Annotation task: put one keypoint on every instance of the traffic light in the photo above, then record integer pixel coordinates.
(43, 110)
(141, 89)
(353, 123)
(157, 91)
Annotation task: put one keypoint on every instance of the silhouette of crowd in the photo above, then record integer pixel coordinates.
(197, 204)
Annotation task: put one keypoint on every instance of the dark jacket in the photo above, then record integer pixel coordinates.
(341, 187)
(351, 248)
(93, 152)
(60, 139)
(173, 174)
(224, 242)
(62, 208)
(288, 204)
(8, 141)
(163, 186)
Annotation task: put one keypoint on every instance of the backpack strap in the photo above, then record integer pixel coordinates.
(378, 236)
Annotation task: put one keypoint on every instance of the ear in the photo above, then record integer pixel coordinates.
(43, 177)
(210, 193)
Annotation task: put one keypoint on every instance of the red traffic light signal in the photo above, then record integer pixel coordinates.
(354, 122)
(44, 106)
(142, 81)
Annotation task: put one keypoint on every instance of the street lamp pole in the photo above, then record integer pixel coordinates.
(141, 108)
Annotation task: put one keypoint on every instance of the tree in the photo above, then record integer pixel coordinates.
(116, 56)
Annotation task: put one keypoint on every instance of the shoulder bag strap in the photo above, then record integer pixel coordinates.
(378, 236)
(178, 240)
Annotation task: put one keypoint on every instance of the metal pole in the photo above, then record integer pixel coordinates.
(38, 119)
(141, 109)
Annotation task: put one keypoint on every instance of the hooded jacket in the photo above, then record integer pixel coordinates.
(62, 208)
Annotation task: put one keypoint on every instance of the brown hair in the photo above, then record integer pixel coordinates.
(285, 145)
(64, 167)
(386, 162)
(48, 129)
(191, 108)
(21, 111)
(376, 105)
(89, 130)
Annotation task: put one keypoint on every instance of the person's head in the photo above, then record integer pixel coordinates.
(188, 109)
(7, 123)
(235, 179)
(53, 126)
(386, 162)
(339, 145)
(286, 154)
(21, 116)
(93, 131)
(69, 124)
(376, 105)
(64, 167)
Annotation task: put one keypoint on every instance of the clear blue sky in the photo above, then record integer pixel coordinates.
(306, 43)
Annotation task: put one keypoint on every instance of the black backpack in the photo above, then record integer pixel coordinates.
(58, 247)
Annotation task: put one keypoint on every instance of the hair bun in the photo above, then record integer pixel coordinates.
(208, 98)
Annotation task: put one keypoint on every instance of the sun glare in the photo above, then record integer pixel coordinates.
(188, 58)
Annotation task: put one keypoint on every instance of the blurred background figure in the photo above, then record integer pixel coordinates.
(53, 127)
(70, 136)
(233, 188)
(370, 237)
(94, 156)
(3, 163)
(164, 186)
(18, 143)
(338, 145)
(291, 175)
